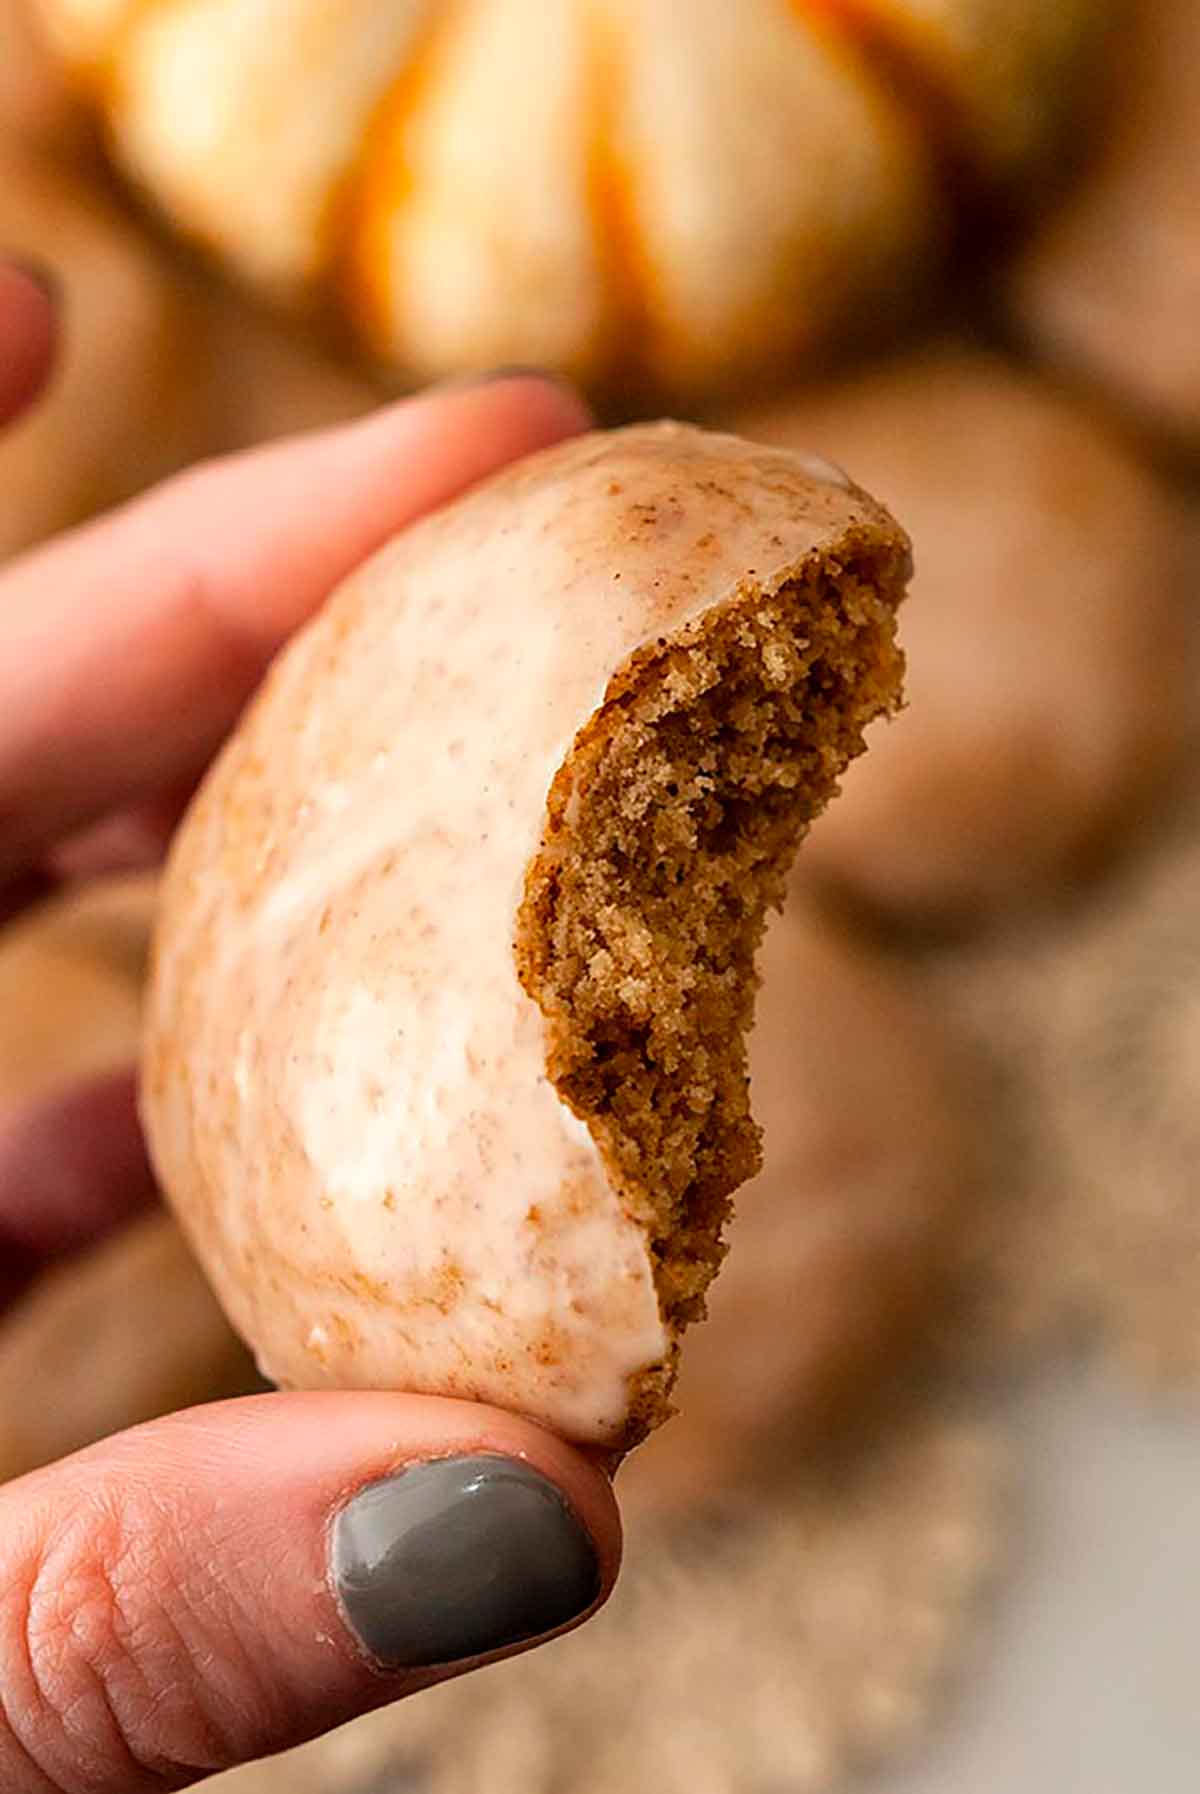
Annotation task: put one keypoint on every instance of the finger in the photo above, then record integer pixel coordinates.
(128, 647)
(227, 1583)
(72, 1167)
(28, 331)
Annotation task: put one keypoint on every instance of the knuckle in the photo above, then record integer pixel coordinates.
(107, 1689)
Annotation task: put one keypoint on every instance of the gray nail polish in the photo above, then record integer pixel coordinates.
(458, 1558)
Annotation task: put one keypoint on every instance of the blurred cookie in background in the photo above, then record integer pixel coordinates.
(1110, 286)
(128, 1330)
(159, 364)
(70, 988)
(840, 1245)
(127, 402)
(125, 1333)
(1049, 639)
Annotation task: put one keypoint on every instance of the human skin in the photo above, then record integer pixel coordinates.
(166, 1601)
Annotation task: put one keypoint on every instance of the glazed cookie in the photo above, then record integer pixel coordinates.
(445, 1070)
(1110, 287)
(126, 404)
(1048, 649)
(843, 1239)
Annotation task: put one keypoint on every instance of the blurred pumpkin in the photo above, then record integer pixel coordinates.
(1110, 288)
(1002, 84)
(158, 363)
(35, 101)
(678, 191)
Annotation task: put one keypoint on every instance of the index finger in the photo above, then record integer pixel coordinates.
(128, 647)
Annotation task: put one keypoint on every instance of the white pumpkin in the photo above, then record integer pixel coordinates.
(664, 191)
(35, 102)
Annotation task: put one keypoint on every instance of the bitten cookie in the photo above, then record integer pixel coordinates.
(445, 1067)
(1048, 646)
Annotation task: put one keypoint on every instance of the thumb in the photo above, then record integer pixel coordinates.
(235, 1579)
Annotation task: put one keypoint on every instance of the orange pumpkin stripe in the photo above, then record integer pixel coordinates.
(908, 69)
(378, 185)
(622, 249)
(105, 74)
(90, 74)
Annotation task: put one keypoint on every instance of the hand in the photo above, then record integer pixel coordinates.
(230, 1581)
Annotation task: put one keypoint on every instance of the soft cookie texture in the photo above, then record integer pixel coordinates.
(445, 1067)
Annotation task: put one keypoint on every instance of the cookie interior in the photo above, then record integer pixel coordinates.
(670, 832)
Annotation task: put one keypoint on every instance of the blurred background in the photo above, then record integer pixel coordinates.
(923, 1522)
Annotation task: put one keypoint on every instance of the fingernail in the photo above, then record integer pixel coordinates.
(40, 276)
(522, 371)
(516, 371)
(459, 1558)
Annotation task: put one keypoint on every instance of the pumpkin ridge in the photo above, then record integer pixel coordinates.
(373, 191)
(97, 75)
(622, 252)
(911, 75)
